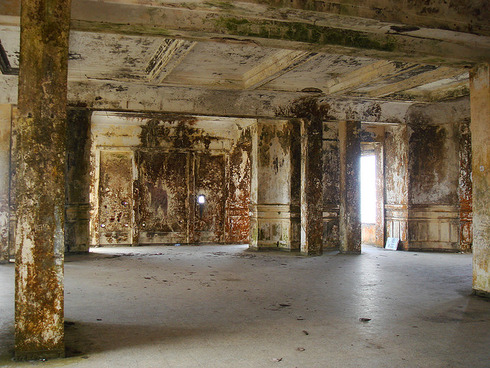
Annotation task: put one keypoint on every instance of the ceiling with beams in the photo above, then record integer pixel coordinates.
(231, 64)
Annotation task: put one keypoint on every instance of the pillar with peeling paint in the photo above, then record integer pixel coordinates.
(274, 220)
(311, 186)
(480, 136)
(40, 179)
(350, 202)
(5, 121)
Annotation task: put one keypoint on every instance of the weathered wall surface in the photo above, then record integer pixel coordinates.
(163, 186)
(160, 165)
(465, 187)
(5, 123)
(115, 200)
(428, 178)
(435, 173)
(211, 182)
(434, 165)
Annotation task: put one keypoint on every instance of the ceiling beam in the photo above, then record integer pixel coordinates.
(119, 96)
(168, 56)
(416, 80)
(362, 76)
(445, 89)
(274, 66)
(280, 28)
(470, 16)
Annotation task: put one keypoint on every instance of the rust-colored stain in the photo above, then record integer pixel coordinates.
(210, 182)
(465, 192)
(237, 204)
(39, 156)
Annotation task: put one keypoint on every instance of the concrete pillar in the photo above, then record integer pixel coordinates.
(350, 190)
(274, 220)
(480, 136)
(40, 179)
(311, 186)
(237, 228)
(78, 181)
(331, 185)
(5, 122)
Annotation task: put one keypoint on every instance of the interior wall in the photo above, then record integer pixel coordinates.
(428, 178)
(435, 173)
(149, 171)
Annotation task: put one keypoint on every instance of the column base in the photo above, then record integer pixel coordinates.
(275, 226)
(39, 355)
(481, 293)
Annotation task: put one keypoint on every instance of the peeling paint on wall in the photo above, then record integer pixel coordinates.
(239, 181)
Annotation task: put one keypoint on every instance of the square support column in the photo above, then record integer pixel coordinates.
(480, 136)
(5, 124)
(40, 179)
(274, 220)
(311, 186)
(350, 189)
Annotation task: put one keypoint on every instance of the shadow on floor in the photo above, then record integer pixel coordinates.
(85, 338)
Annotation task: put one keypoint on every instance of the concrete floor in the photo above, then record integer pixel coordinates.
(222, 306)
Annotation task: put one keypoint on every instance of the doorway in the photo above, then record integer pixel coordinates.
(372, 194)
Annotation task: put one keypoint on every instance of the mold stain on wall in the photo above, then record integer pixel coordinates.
(176, 158)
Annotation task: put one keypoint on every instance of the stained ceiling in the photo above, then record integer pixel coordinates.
(247, 58)
(247, 66)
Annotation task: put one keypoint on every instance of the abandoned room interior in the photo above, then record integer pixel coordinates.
(180, 183)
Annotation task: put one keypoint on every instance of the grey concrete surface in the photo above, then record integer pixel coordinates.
(223, 306)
